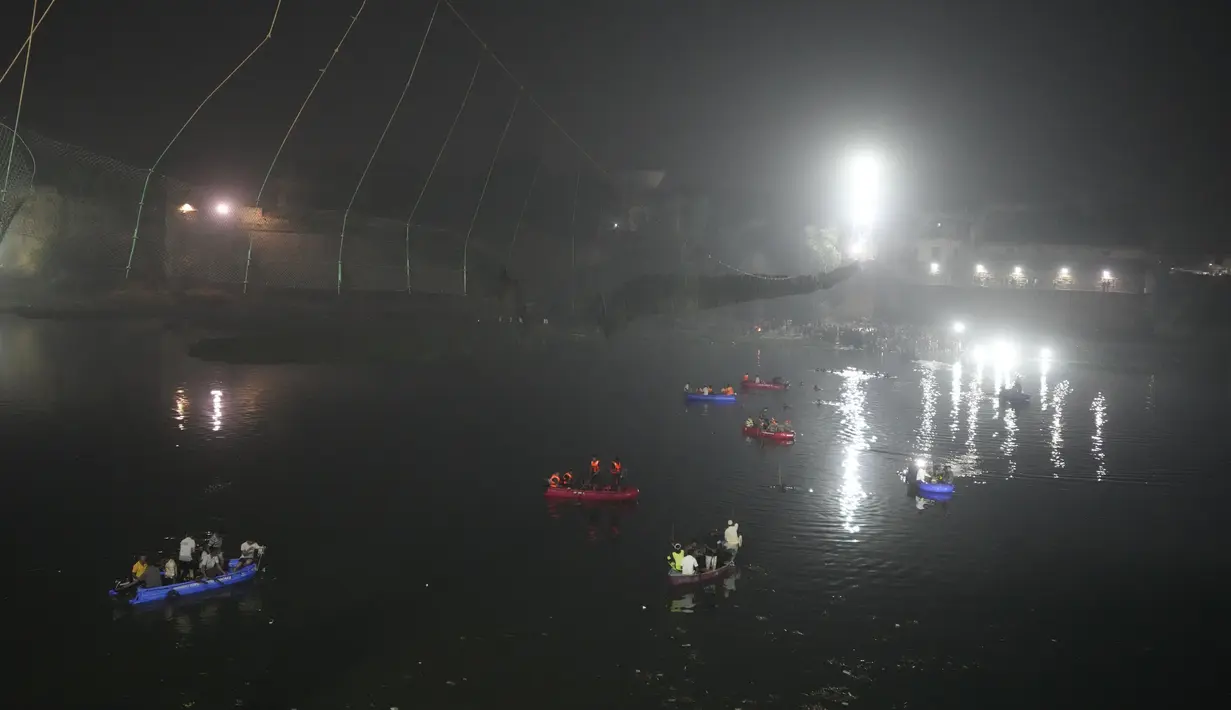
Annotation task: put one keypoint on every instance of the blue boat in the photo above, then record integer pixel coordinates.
(935, 487)
(698, 397)
(145, 595)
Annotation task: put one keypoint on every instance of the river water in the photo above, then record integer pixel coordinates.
(414, 563)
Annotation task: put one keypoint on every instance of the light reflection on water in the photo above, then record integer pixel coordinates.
(216, 419)
(927, 435)
(1056, 437)
(1099, 407)
(1009, 445)
(854, 425)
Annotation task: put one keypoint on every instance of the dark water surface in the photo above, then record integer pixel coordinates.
(414, 563)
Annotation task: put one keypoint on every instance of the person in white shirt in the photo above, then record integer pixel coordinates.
(249, 550)
(188, 547)
(210, 566)
(731, 537)
(689, 566)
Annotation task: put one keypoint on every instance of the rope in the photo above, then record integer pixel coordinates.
(141, 203)
(294, 122)
(406, 87)
(521, 87)
(21, 97)
(524, 205)
(29, 38)
(474, 75)
(483, 193)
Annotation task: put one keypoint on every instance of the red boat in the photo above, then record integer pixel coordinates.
(592, 494)
(751, 385)
(757, 432)
(675, 578)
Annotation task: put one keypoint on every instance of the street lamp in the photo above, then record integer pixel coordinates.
(934, 268)
(980, 270)
(186, 208)
(959, 327)
(1106, 275)
(1017, 271)
(1064, 272)
(222, 208)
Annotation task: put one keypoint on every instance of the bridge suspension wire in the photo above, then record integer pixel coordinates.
(741, 272)
(21, 97)
(439, 154)
(483, 193)
(402, 97)
(150, 173)
(295, 121)
(572, 245)
(521, 87)
(29, 38)
(522, 215)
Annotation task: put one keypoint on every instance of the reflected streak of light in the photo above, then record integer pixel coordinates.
(1057, 425)
(854, 423)
(181, 407)
(1099, 407)
(1009, 445)
(1043, 386)
(956, 397)
(927, 422)
(973, 397)
(217, 418)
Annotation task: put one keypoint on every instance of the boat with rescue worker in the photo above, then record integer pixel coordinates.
(563, 485)
(716, 552)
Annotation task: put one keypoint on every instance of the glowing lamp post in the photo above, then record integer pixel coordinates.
(222, 209)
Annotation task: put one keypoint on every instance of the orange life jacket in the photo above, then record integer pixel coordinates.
(554, 481)
(594, 465)
(616, 467)
(745, 378)
(568, 477)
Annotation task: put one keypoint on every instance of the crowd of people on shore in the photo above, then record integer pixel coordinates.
(714, 551)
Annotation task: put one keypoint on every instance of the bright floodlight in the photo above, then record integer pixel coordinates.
(1106, 275)
(934, 268)
(1017, 271)
(615, 225)
(921, 464)
(980, 270)
(223, 208)
(1045, 353)
(1064, 272)
(864, 178)
(978, 353)
(186, 208)
(959, 327)
(857, 250)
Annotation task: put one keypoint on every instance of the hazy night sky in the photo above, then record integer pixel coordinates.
(1109, 105)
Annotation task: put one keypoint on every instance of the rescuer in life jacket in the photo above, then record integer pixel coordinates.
(595, 465)
(745, 377)
(566, 480)
(617, 472)
(676, 558)
(554, 481)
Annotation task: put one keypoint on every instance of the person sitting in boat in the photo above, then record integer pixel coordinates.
(214, 543)
(170, 570)
(553, 481)
(676, 558)
(748, 423)
(689, 565)
(617, 472)
(745, 377)
(757, 380)
(729, 390)
(150, 577)
(211, 564)
(249, 552)
(566, 479)
(139, 568)
(731, 537)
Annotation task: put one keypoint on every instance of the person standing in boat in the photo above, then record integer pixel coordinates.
(188, 547)
(210, 564)
(711, 551)
(617, 473)
(731, 537)
(595, 466)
